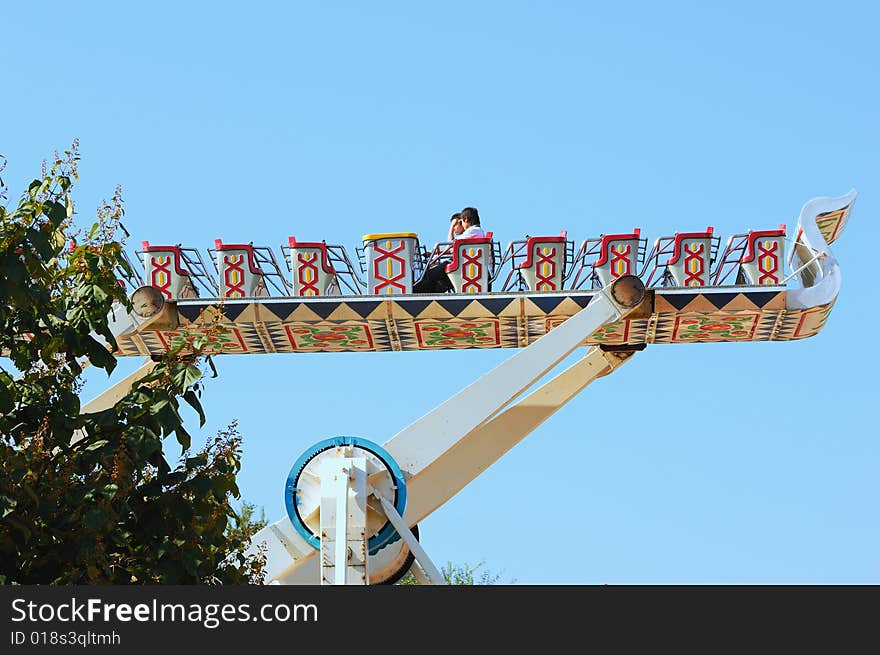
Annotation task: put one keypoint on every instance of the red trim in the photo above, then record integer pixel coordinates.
(681, 236)
(252, 263)
(451, 266)
(321, 245)
(532, 240)
(606, 238)
(753, 236)
(178, 257)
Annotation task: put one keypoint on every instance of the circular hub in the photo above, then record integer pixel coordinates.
(392, 562)
(147, 301)
(302, 492)
(628, 290)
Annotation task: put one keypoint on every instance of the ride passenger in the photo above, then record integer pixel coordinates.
(463, 225)
(470, 221)
(455, 226)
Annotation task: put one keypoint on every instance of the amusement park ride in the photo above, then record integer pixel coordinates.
(353, 506)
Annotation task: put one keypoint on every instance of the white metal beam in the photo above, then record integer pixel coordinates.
(472, 455)
(430, 438)
(118, 391)
(448, 447)
(343, 520)
(419, 574)
(432, 572)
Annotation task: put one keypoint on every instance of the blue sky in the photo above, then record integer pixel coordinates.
(257, 121)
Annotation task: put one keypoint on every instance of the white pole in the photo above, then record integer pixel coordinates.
(403, 530)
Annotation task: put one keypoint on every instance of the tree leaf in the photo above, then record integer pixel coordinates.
(109, 508)
(183, 437)
(97, 445)
(95, 519)
(190, 397)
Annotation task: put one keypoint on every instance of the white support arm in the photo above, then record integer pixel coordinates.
(118, 391)
(420, 574)
(448, 447)
(428, 567)
(108, 398)
(426, 441)
(485, 445)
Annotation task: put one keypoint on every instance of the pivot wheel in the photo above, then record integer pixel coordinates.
(302, 492)
(392, 562)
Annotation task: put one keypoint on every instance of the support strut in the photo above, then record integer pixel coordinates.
(452, 444)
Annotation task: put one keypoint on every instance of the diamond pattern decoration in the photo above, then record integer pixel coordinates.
(547, 304)
(721, 300)
(675, 301)
(492, 321)
(766, 299)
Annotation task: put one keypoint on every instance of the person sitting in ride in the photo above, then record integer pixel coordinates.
(470, 223)
(463, 225)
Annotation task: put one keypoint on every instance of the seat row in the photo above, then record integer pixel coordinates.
(390, 263)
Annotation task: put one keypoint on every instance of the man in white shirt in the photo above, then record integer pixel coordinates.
(464, 225)
(470, 221)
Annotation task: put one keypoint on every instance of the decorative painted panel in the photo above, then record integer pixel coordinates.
(811, 321)
(335, 337)
(614, 333)
(619, 256)
(544, 265)
(695, 328)
(831, 224)
(164, 269)
(764, 257)
(690, 263)
(226, 340)
(497, 321)
(311, 270)
(390, 260)
(455, 334)
(240, 277)
(471, 267)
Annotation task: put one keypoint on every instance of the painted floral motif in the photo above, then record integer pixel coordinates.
(337, 337)
(615, 333)
(451, 335)
(715, 328)
(218, 341)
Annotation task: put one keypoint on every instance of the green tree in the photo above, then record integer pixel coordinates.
(460, 574)
(245, 523)
(92, 497)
